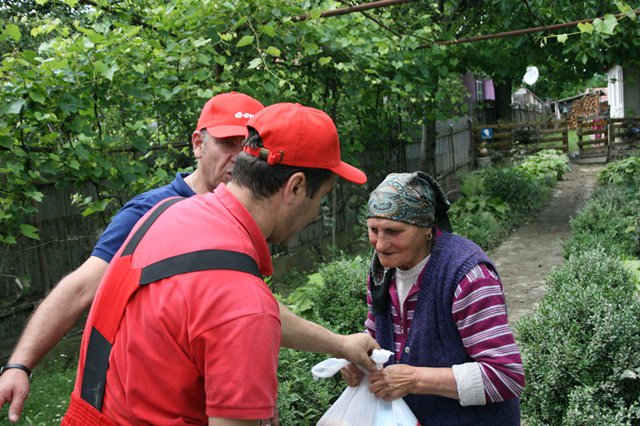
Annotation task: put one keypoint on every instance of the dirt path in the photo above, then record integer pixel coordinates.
(525, 258)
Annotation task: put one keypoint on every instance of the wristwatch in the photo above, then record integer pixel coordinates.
(18, 366)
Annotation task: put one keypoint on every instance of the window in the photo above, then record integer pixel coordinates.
(479, 91)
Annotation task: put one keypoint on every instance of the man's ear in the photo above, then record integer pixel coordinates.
(295, 187)
(197, 142)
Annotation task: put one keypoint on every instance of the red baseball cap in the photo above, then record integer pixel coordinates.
(301, 136)
(226, 114)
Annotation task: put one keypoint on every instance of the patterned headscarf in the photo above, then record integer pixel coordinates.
(414, 198)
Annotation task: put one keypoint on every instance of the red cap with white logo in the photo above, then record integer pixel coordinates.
(226, 115)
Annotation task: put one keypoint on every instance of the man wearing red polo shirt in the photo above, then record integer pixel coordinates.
(188, 332)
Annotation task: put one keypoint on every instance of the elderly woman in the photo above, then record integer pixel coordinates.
(436, 301)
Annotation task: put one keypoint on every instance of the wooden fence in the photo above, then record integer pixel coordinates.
(592, 137)
(612, 138)
(508, 139)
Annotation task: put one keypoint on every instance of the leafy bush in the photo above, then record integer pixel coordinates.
(301, 399)
(472, 184)
(522, 192)
(610, 219)
(549, 165)
(335, 297)
(342, 302)
(624, 172)
(480, 203)
(481, 227)
(578, 344)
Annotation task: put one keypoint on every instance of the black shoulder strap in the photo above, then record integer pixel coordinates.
(137, 237)
(201, 260)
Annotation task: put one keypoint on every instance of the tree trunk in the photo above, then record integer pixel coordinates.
(428, 146)
(503, 100)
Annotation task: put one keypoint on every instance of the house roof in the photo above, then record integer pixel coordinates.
(601, 90)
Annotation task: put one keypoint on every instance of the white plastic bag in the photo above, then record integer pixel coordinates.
(359, 407)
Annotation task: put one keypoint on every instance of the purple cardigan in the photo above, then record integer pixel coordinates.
(434, 340)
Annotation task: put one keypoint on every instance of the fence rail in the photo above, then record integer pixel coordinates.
(525, 137)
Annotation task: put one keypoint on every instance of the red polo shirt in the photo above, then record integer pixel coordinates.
(201, 344)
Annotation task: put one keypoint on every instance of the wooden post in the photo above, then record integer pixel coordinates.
(579, 133)
(608, 139)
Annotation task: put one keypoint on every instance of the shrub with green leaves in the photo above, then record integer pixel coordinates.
(342, 301)
(472, 184)
(482, 228)
(579, 344)
(522, 192)
(480, 203)
(335, 297)
(301, 399)
(549, 165)
(611, 219)
(624, 172)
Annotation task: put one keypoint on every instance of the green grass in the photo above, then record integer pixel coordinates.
(573, 141)
(51, 386)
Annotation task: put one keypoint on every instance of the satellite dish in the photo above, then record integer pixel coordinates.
(531, 76)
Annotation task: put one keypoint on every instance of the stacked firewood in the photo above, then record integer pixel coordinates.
(584, 107)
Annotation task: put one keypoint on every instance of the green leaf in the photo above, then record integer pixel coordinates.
(324, 60)
(35, 195)
(29, 231)
(562, 38)
(273, 51)
(255, 62)
(628, 374)
(71, 3)
(583, 58)
(37, 96)
(598, 25)
(74, 165)
(13, 31)
(315, 14)
(139, 68)
(268, 30)
(245, 41)
(41, 117)
(105, 70)
(205, 93)
(8, 239)
(610, 24)
(201, 42)
(587, 27)
(16, 106)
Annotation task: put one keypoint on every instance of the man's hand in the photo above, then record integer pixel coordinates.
(14, 388)
(393, 382)
(357, 348)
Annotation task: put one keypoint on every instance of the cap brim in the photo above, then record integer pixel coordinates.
(227, 131)
(350, 173)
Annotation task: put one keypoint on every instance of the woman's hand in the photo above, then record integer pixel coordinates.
(352, 375)
(393, 382)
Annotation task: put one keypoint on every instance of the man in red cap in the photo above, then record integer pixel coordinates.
(216, 142)
(188, 332)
